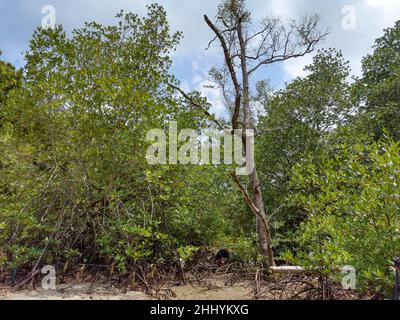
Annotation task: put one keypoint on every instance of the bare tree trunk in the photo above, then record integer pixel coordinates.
(262, 223)
(263, 230)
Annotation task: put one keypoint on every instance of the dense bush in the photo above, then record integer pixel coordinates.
(76, 185)
(352, 202)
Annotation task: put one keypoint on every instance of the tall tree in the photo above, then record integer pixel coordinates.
(247, 47)
(309, 108)
(9, 79)
(379, 89)
(75, 179)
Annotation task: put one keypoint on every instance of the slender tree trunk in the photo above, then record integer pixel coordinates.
(242, 103)
(263, 230)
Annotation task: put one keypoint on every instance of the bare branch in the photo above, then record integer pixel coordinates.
(231, 68)
(262, 31)
(280, 44)
(249, 201)
(215, 38)
(283, 57)
(211, 42)
(198, 105)
(246, 196)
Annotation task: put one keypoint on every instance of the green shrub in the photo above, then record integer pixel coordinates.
(352, 203)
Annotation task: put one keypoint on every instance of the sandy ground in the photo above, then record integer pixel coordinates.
(82, 291)
(216, 290)
(219, 291)
(208, 287)
(186, 292)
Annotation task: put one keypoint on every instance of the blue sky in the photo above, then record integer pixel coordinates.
(19, 18)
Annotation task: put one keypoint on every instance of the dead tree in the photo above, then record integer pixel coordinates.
(247, 46)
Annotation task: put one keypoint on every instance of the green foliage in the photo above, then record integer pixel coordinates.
(187, 252)
(75, 182)
(352, 203)
(333, 191)
(10, 79)
(242, 247)
(378, 91)
(297, 122)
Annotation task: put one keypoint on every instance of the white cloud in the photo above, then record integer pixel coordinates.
(383, 12)
(281, 8)
(295, 68)
(214, 97)
(200, 82)
(383, 3)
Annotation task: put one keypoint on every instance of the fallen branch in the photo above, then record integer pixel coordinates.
(288, 269)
